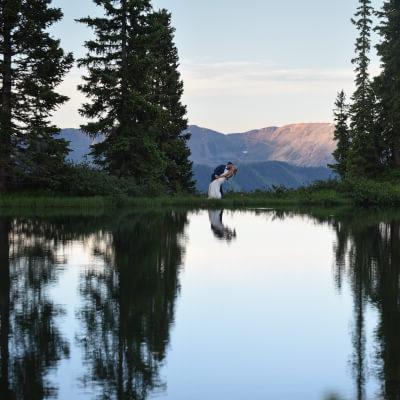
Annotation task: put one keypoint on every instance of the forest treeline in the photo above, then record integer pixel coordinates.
(368, 124)
(134, 99)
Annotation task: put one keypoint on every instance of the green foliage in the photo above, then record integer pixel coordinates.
(364, 192)
(135, 91)
(363, 155)
(33, 65)
(116, 84)
(166, 91)
(341, 136)
(373, 141)
(109, 192)
(375, 108)
(41, 165)
(84, 180)
(387, 84)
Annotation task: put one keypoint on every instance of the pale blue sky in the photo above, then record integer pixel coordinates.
(246, 64)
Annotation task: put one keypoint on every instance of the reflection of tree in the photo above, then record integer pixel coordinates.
(372, 250)
(31, 343)
(4, 306)
(129, 304)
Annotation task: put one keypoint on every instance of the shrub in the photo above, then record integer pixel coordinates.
(84, 180)
(366, 192)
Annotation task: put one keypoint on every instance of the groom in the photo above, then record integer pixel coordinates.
(219, 171)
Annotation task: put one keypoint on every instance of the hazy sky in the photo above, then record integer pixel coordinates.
(245, 64)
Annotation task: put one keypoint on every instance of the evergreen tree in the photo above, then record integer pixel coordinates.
(388, 83)
(342, 135)
(32, 65)
(117, 62)
(166, 94)
(363, 156)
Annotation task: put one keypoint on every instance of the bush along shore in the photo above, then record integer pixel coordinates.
(358, 193)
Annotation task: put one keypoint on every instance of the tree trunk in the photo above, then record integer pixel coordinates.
(5, 111)
(124, 67)
(396, 155)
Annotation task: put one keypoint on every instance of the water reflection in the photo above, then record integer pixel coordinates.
(218, 228)
(129, 304)
(127, 298)
(369, 253)
(30, 341)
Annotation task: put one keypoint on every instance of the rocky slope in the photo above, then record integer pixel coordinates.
(307, 145)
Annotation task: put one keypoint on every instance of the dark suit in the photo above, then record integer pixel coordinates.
(217, 172)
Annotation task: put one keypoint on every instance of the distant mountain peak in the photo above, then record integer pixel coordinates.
(303, 144)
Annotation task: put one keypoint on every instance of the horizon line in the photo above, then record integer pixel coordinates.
(245, 131)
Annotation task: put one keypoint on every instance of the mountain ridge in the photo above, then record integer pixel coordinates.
(305, 144)
(291, 156)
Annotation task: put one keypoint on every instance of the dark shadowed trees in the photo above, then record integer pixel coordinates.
(32, 64)
(134, 91)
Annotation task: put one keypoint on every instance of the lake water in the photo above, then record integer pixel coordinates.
(257, 304)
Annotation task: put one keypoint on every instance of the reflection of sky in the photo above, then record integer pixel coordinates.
(260, 318)
(256, 318)
(70, 371)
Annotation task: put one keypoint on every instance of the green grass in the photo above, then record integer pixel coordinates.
(16, 201)
(362, 193)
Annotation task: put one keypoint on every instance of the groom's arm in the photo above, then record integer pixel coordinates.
(225, 174)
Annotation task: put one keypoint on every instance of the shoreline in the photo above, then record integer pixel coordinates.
(356, 194)
(58, 202)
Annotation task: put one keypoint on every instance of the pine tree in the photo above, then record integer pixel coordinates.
(117, 62)
(342, 135)
(388, 83)
(363, 158)
(32, 65)
(166, 94)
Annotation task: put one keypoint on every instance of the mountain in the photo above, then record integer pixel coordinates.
(306, 145)
(79, 144)
(292, 156)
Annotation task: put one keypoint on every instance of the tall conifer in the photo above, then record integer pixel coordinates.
(363, 156)
(388, 83)
(166, 94)
(32, 64)
(342, 135)
(116, 83)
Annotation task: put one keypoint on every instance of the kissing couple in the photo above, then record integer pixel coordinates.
(220, 175)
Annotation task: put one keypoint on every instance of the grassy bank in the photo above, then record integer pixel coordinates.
(276, 197)
(356, 193)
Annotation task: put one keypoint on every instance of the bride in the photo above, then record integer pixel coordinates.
(214, 190)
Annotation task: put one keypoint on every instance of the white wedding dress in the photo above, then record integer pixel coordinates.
(214, 190)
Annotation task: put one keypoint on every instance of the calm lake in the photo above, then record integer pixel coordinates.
(243, 305)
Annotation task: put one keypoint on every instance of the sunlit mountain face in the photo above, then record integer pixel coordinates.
(305, 145)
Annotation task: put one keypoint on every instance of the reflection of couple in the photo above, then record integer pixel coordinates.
(219, 229)
(221, 174)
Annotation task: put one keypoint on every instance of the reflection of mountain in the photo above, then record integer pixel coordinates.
(291, 156)
(30, 342)
(129, 304)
